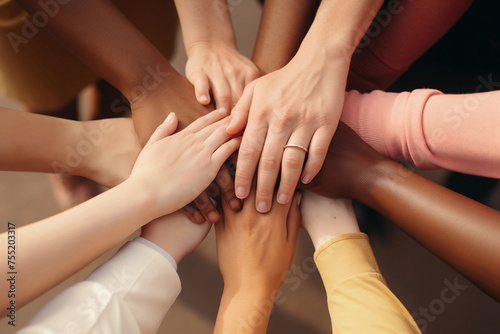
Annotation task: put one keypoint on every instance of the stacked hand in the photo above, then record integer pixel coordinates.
(218, 68)
(299, 104)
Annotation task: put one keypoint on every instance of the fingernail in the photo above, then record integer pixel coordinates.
(204, 98)
(306, 179)
(235, 204)
(222, 111)
(282, 198)
(170, 117)
(262, 207)
(299, 199)
(240, 192)
(213, 217)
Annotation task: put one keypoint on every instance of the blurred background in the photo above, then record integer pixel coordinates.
(469, 51)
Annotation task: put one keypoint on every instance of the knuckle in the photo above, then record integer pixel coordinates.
(247, 153)
(268, 163)
(293, 161)
(263, 193)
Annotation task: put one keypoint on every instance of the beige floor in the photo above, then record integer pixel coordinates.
(415, 275)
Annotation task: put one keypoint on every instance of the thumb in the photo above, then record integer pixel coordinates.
(239, 114)
(163, 130)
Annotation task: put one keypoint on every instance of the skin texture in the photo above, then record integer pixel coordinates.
(169, 173)
(460, 231)
(103, 150)
(176, 234)
(254, 252)
(214, 64)
(294, 106)
(325, 218)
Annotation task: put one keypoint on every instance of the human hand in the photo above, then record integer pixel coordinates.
(216, 66)
(175, 93)
(349, 167)
(299, 104)
(176, 169)
(325, 218)
(176, 234)
(255, 250)
(114, 148)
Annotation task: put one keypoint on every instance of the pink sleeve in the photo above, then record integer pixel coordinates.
(430, 129)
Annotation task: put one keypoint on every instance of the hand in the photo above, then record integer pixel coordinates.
(325, 218)
(218, 67)
(176, 234)
(114, 149)
(254, 250)
(299, 104)
(175, 93)
(176, 169)
(349, 167)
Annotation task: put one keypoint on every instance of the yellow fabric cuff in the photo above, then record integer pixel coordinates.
(345, 256)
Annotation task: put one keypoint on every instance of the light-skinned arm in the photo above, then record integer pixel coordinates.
(168, 174)
(103, 150)
(214, 64)
(254, 252)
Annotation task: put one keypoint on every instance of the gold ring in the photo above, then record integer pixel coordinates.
(297, 146)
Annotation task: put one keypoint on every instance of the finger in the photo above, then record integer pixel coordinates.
(293, 219)
(269, 167)
(193, 214)
(201, 89)
(207, 208)
(226, 187)
(163, 130)
(225, 151)
(206, 120)
(239, 114)
(317, 153)
(248, 158)
(222, 92)
(291, 166)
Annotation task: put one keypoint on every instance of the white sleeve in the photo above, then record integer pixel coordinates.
(130, 293)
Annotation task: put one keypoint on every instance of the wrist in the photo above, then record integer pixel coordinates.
(382, 174)
(143, 197)
(210, 44)
(153, 76)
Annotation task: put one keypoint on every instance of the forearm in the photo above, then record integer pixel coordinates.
(460, 231)
(244, 310)
(98, 33)
(338, 27)
(53, 249)
(31, 142)
(430, 129)
(282, 27)
(146, 287)
(205, 21)
(356, 289)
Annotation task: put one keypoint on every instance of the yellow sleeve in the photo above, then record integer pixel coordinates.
(359, 300)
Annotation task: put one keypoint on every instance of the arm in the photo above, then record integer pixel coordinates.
(460, 231)
(99, 34)
(214, 63)
(254, 252)
(283, 25)
(430, 129)
(355, 287)
(169, 173)
(103, 150)
(299, 104)
(139, 282)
